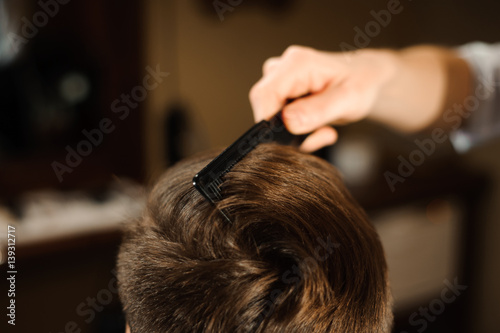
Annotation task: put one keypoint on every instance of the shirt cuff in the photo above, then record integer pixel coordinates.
(481, 109)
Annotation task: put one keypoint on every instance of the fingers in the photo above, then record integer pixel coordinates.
(292, 75)
(306, 114)
(269, 64)
(320, 138)
(338, 91)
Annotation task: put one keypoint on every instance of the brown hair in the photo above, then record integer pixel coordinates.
(299, 255)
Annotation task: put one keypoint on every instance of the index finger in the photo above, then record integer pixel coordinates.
(290, 78)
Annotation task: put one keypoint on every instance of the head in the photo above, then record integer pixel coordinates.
(299, 255)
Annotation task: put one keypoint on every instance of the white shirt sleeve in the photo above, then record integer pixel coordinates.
(482, 107)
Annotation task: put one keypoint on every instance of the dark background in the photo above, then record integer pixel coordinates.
(202, 104)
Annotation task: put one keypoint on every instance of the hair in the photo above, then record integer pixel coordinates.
(299, 256)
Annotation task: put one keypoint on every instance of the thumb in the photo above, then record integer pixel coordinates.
(320, 138)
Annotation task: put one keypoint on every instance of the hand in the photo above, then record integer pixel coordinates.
(343, 87)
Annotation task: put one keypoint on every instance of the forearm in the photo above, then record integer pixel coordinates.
(427, 80)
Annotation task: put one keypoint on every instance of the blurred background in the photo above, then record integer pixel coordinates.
(98, 97)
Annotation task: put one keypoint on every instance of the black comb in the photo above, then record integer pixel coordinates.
(209, 180)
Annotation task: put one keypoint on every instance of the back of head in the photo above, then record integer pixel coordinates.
(299, 256)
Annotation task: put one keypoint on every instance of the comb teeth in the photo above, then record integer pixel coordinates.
(218, 182)
(215, 189)
(209, 180)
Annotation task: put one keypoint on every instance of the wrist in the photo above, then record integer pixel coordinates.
(389, 64)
